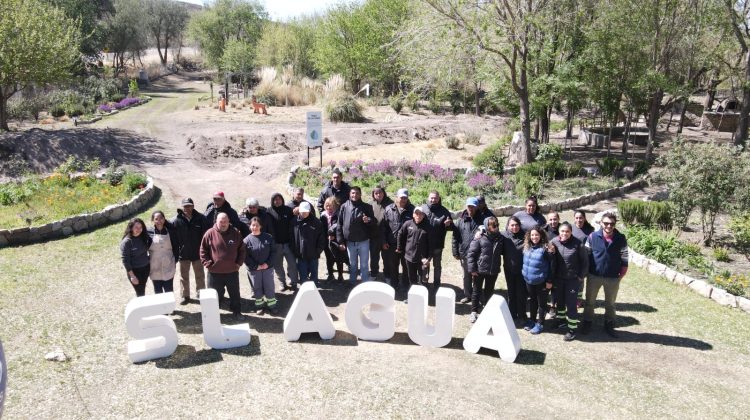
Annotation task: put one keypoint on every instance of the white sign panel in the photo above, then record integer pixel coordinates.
(314, 129)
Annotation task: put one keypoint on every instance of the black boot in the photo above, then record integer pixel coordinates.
(585, 327)
(609, 328)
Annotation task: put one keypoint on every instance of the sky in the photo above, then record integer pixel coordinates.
(286, 9)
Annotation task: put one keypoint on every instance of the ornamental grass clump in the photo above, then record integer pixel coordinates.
(344, 108)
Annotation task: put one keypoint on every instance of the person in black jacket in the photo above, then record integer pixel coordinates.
(483, 259)
(298, 196)
(336, 187)
(309, 240)
(394, 218)
(552, 228)
(334, 256)
(189, 226)
(581, 231)
(282, 220)
(468, 222)
(414, 244)
(353, 234)
(441, 222)
(253, 209)
(134, 253)
(571, 266)
(221, 205)
(512, 265)
(380, 201)
(482, 209)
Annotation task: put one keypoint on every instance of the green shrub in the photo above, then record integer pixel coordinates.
(700, 264)
(657, 244)
(549, 151)
(645, 213)
(527, 185)
(573, 169)
(102, 89)
(75, 110)
(19, 110)
(472, 138)
(117, 97)
(721, 254)
(736, 284)
(134, 181)
(548, 169)
(610, 166)
(344, 108)
(15, 192)
(641, 167)
(452, 142)
(412, 100)
(396, 103)
(133, 88)
(113, 175)
(436, 106)
(57, 111)
(492, 158)
(690, 250)
(739, 226)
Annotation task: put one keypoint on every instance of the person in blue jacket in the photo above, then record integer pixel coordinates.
(538, 272)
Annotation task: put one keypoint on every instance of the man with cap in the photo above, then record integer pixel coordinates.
(308, 241)
(221, 205)
(253, 209)
(466, 226)
(440, 222)
(222, 253)
(356, 220)
(414, 244)
(336, 187)
(189, 226)
(482, 209)
(394, 218)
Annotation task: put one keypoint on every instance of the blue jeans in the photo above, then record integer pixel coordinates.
(359, 259)
(307, 269)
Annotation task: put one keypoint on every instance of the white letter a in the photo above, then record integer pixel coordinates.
(495, 330)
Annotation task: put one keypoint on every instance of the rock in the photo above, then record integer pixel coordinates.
(659, 196)
(67, 230)
(3, 240)
(680, 278)
(115, 214)
(56, 356)
(80, 225)
(722, 297)
(629, 172)
(701, 287)
(656, 268)
(743, 303)
(670, 274)
(591, 170)
(517, 152)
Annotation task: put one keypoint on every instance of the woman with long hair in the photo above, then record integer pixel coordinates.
(538, 272)
(134, 252)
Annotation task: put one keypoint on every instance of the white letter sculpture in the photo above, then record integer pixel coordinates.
(217, 336)
(308, 314)
(155, 334)
(381, 324)
(504, 338)
(420, 332)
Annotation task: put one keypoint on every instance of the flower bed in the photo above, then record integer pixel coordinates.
(125, 103)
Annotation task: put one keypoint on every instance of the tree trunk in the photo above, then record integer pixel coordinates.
(712, 84)
(626, 137)
(476, 98)
(682, 115)
(609, 135)
(544, 127)
(569, 128)
(740, 136)
(4, 112)
(653, 122)
(523, 99)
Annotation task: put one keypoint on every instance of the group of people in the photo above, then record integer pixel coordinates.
(542, 258)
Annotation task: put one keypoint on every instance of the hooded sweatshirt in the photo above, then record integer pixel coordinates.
(281, 219)
(485, 253)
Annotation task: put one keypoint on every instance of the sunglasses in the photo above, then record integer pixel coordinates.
(608, 223)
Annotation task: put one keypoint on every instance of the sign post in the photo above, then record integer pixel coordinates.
(314, 136)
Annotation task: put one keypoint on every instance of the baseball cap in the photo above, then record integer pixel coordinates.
(422, 209)
(472, 201)
(403, 192)
(219, 194)
(252, 202)
(304, 207)
(187, 202)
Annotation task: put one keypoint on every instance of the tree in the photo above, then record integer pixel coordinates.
(39, 46)
(285, 43)
(226, 20)
(125, 31)
(166, 21)
(739, 12)
(90, 15)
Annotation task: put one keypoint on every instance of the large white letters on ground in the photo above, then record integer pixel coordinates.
(308, 314)
(216, 335)
(420, 332)
(494, 330)
(380, 325)
(155, 334)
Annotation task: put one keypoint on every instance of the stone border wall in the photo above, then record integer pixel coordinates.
(702, 287)
(505, 211)
(80, 223)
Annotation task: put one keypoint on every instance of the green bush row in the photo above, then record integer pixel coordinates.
(491, 160)
(645, 213)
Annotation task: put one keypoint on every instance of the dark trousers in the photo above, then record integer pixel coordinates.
(566, 296)
(468, 289)
(141, 273)
(483, 287)
(163, 286)
(415, 272)
(437, 266)
(331, 261)
(391, 262)
(231, 281)
(516, 295)
(538, 303)
(308, 269)
(376, 248)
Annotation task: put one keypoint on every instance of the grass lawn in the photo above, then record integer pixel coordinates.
(679, 355)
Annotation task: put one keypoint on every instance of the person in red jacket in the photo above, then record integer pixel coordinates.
(222, 253)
